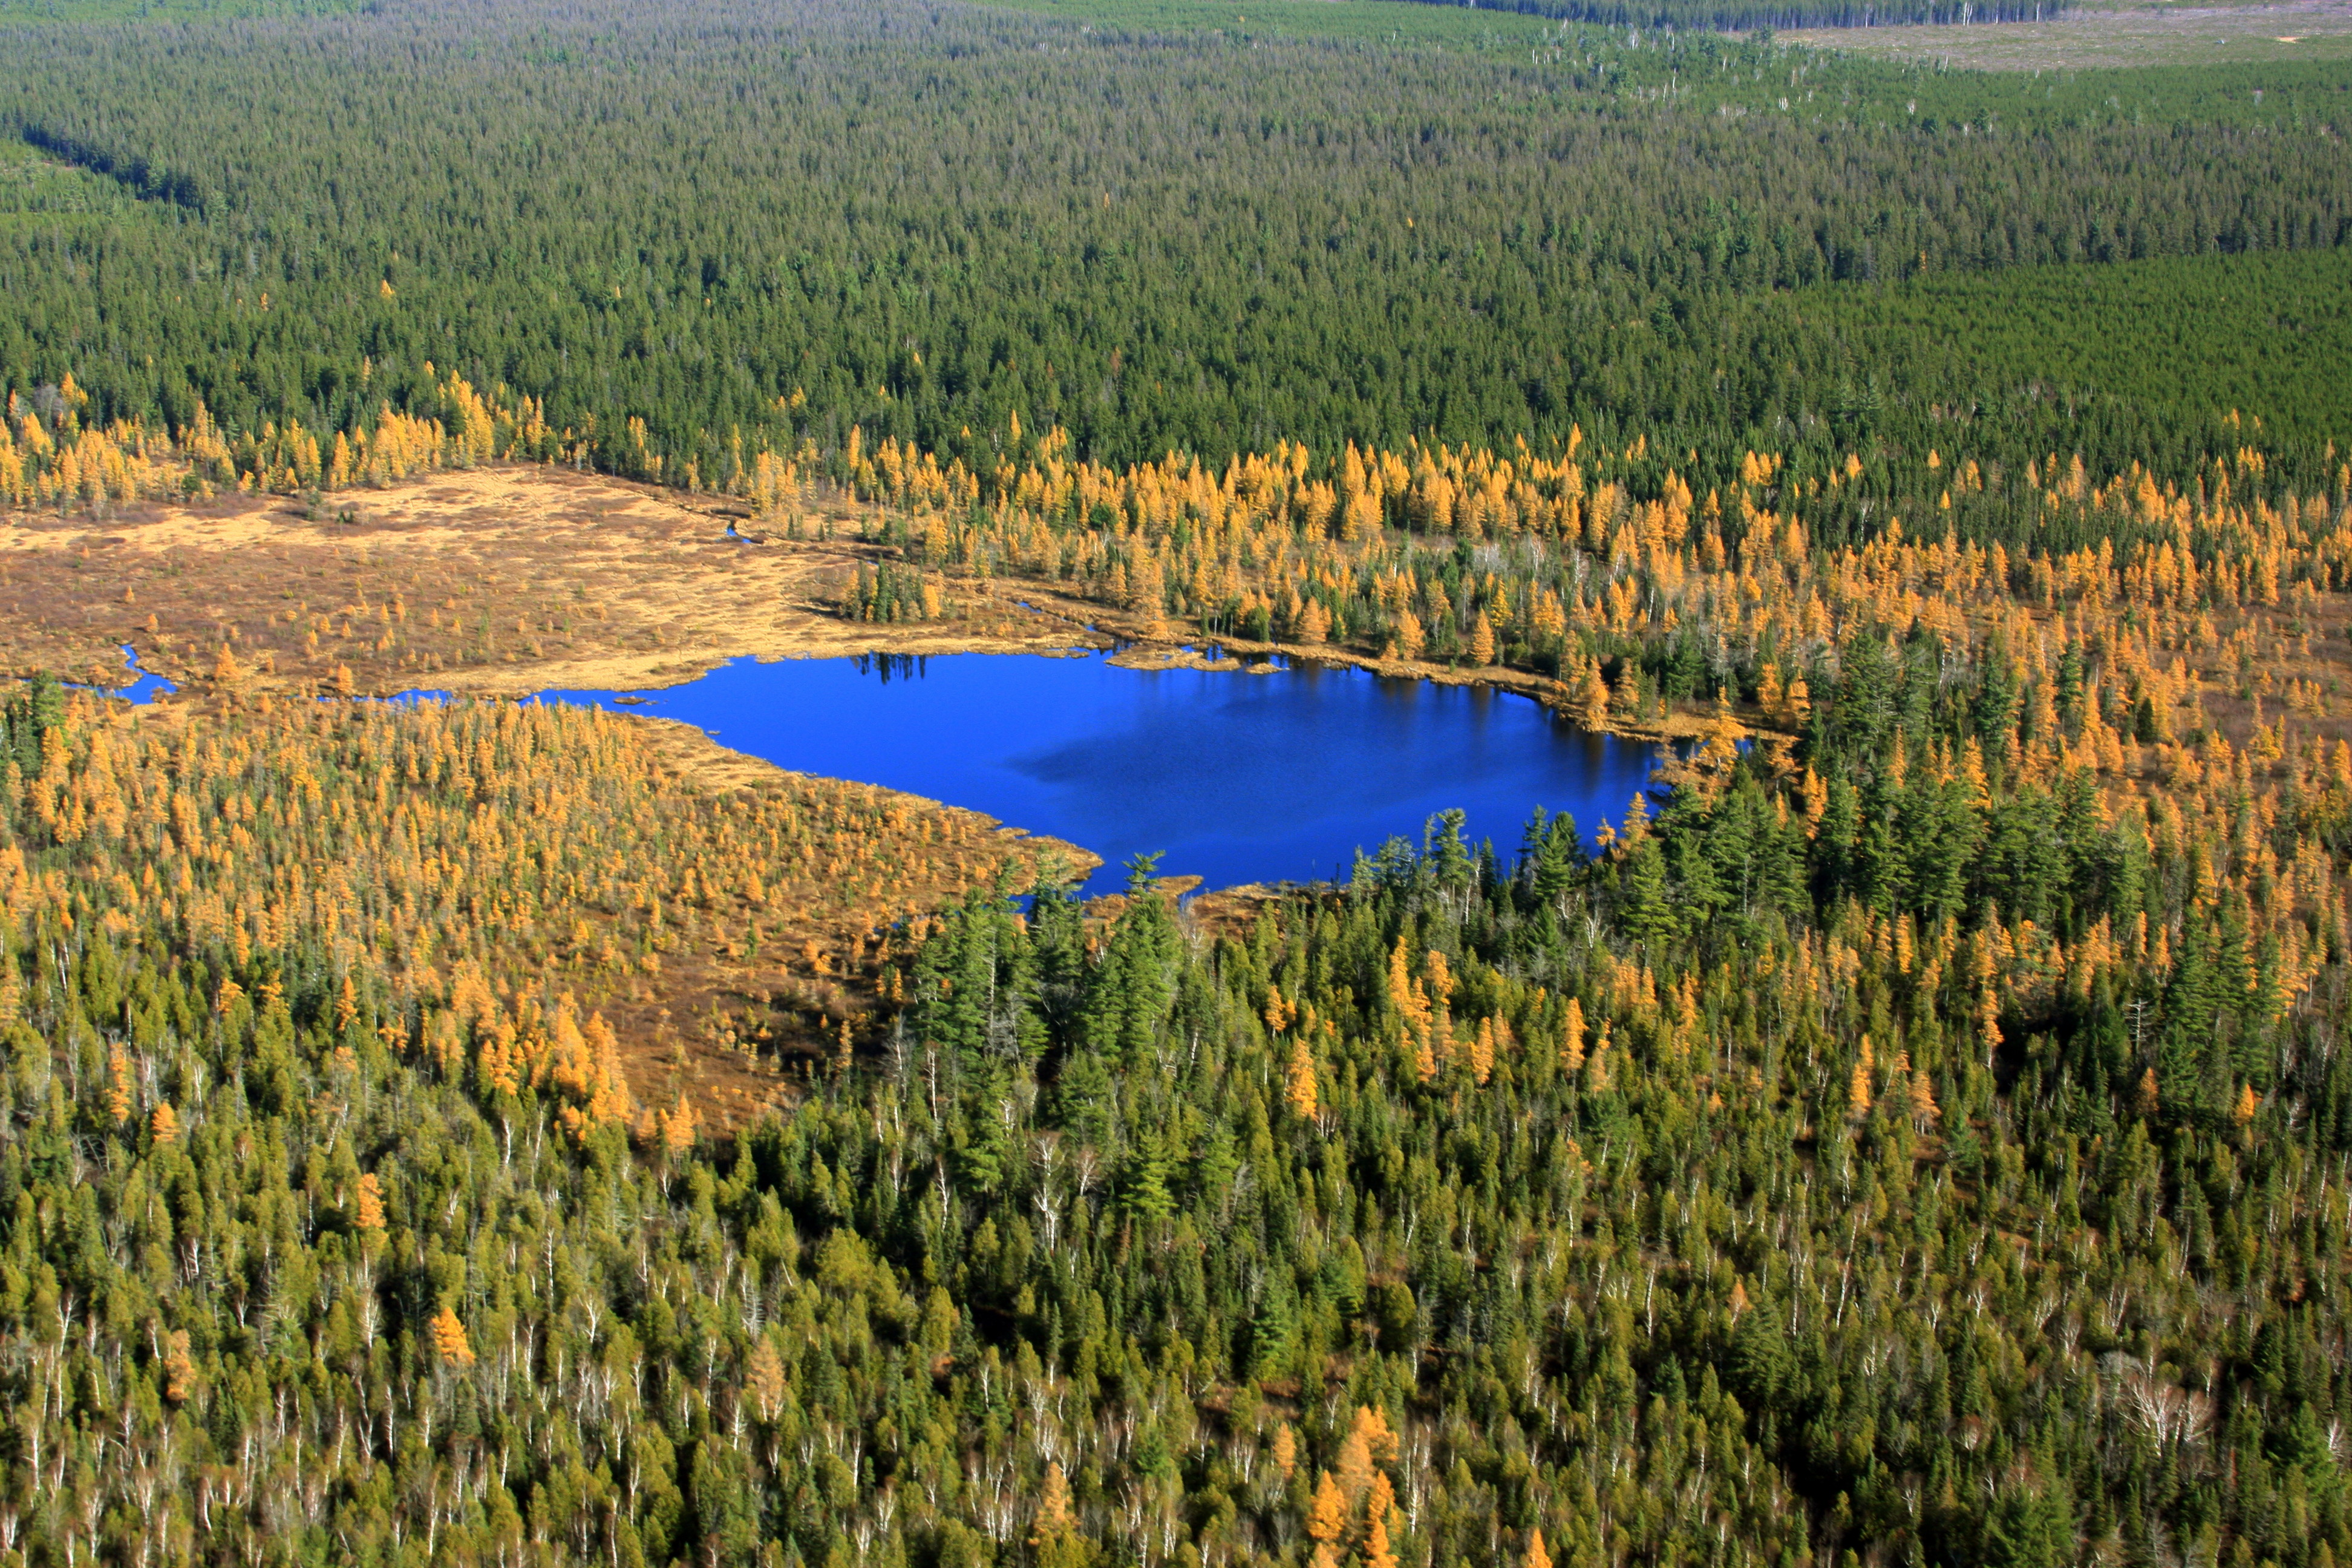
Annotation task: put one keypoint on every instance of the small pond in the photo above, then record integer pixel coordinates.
(1236, 777)
(145, 684)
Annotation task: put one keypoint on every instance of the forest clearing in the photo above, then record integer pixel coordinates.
(510, 578)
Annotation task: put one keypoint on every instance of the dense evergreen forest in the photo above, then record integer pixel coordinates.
(753, 231)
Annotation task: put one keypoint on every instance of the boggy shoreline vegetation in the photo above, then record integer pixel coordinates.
(2127, 601)
(569, 882)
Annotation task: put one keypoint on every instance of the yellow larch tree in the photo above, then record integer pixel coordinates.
(449, 1342)
(1327, 1513)
(763, 1379)
(1054, 1531)
(1299, 1088)
(118, 1093)
(370, 1215)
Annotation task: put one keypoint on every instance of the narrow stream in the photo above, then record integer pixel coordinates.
(145, 686)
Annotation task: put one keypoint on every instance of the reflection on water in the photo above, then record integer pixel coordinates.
(1268, 776)
(893, 666)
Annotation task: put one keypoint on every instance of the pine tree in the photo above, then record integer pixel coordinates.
(1630, 702)
(1649, 913)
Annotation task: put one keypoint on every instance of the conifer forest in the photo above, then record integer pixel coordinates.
(440, 1128)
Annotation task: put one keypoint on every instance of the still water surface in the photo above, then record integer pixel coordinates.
(1237, 777)
(145, 685)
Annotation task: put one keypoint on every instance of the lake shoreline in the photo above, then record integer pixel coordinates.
(1125, 649)
(508, 578)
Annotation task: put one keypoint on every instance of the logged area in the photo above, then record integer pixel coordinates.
(2109, 35)
(443, 1129)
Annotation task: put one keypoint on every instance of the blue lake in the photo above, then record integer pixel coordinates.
(1235, 777)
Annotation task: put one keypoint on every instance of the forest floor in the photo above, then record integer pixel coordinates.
(2130, 33)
